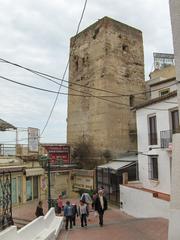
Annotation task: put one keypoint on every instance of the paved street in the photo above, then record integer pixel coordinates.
(117, 226)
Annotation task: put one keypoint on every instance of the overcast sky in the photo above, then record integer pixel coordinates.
(36, 33)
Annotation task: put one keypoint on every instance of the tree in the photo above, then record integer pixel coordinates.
(84, 154)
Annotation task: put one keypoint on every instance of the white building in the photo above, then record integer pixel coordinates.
(157, 120)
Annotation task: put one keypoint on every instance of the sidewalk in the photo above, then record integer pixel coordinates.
(117, 225)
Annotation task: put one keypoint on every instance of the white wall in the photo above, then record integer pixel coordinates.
(142, 204)
(163, 123)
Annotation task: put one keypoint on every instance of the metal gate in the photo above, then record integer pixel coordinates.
(5, 200)
(109, 180)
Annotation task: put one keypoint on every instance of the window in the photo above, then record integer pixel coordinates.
(28, 188)
(152, 130)
(35, 187)
(164, 92)
(175, 120)
(153, 167)
(14, 190)
(131, 100)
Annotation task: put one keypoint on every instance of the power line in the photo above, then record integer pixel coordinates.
(67, 94)
(50, 78)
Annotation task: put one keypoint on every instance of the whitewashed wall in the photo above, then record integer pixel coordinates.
(163, 123)
(142, 204)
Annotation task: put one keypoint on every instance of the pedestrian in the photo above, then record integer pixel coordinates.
(83, 213)
(39, 209)
(60, 204)
(75, 214)
(68, 212)
(85, 197)
(100, 206)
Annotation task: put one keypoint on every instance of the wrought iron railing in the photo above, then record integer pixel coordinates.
(166, 138)
(5, 201)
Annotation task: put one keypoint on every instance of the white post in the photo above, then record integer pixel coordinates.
(174, 220)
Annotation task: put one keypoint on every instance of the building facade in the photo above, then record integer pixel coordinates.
(157, 121)
(108, 55)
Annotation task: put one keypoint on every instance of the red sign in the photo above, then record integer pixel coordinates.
(58, 153)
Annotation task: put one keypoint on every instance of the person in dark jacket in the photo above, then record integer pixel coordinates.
(75, 214)
(68, 213)
(39, 210)
(100, 206)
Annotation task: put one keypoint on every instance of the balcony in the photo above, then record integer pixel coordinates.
(166, 138)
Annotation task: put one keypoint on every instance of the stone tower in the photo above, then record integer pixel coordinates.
(107, 55)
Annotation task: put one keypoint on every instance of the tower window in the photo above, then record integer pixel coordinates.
(125, 48)
(77, 65)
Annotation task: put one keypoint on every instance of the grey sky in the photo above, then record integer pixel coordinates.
(36, 34)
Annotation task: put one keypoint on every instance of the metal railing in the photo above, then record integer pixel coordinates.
(7, 149)
(14, 150)
(166, 138)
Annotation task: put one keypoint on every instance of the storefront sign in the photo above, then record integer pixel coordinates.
(58, 153)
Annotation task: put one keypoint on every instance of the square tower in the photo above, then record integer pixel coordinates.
(106, 63)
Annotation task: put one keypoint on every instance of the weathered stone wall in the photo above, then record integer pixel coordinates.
(107, 55)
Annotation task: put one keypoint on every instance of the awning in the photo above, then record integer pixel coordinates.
(116, 165)
(34, 172)
(11, 169)
(5, 125)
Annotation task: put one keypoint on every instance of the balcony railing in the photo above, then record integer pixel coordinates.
(7, 149)
(166, 138)
(14, 150)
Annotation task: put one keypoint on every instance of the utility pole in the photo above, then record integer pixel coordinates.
(174, 219)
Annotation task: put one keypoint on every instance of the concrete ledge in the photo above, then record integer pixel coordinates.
(9, 233)
(42, 228)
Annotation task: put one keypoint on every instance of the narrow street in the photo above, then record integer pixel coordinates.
(119, 226)
(116, 226)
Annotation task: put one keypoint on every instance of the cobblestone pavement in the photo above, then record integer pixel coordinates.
(117, 225)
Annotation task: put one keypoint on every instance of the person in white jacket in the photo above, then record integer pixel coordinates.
(83, 213)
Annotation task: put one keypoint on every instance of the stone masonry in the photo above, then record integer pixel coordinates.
(107, 55)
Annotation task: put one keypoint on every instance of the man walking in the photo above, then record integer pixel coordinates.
(100, 206)
(68, 213)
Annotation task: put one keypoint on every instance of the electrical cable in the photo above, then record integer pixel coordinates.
(81, 85)
(51, 91)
